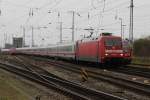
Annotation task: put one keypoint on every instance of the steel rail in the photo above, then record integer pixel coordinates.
(128, 69)
(135, 86)
(143, 72)
(75, 90)
(131, 85)
(146, 65)
(34, 77)
(47, 73)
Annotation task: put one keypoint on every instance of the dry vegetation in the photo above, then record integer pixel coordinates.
(142, 47)
(142, 50)
(12, 89)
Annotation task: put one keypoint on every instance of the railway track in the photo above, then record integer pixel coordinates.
(129, 84)
(131, 70)
(74, 90)
(146, 65)
(128, 69)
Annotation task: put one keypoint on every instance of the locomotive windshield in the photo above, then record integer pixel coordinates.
(113, 42)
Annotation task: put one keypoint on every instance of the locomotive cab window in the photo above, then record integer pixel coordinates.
(113, 42)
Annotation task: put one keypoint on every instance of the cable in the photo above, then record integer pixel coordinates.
(108, 10)
(111, 4)
(91, 17)
(20, 16)
(92, 3)
(45, 5)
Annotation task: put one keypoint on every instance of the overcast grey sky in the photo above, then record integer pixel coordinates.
(15, 14)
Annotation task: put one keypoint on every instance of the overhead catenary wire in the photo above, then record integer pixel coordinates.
(44, 5)
(14, 20)
(22, 15)
(108, 10)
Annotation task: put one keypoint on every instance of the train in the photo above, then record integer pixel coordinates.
(106, 48)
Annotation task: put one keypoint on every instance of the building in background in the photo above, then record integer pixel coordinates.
(17, 42)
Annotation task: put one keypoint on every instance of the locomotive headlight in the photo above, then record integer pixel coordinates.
(121, 54)
(106, 54)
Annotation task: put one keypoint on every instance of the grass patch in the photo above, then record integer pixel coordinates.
(12, 89)
(141, 60)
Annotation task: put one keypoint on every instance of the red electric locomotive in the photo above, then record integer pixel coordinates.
(103, 49)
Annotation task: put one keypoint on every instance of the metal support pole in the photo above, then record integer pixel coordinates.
(73, 26)
(121, 26)
(131, 23)
(5, 39)
(23, 37)
(32, 37)
(60, 32)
